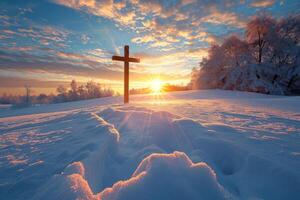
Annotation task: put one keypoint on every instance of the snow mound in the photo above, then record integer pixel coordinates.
(158, 176)
(168, 176)
(147, 127)
(67, 187)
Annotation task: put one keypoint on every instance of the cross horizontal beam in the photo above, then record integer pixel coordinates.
(126, 59)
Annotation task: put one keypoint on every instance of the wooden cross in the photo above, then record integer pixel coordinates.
(126, 59)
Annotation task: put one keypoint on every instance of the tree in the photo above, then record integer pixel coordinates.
(43, 99)
(82, 92)
(194, 78)
(74, 86)
(236, 51)
(61, 89)
(289, 28)
(286, 47)
(259, 33)
(27, 95)
(73, 93)
(93, 89)
(213, 69)
(62, 94)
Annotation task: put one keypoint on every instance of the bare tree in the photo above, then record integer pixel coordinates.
(259, 32)
(27, 94)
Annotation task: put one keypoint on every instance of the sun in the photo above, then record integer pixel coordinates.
(156, 86)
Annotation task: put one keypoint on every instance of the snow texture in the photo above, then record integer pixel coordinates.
(188, 145)
(254, 78)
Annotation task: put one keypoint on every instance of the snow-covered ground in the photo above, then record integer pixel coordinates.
(209, 144)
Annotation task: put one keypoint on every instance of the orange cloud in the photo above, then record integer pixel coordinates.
(262, 3)
(104, 8)
(225, 18)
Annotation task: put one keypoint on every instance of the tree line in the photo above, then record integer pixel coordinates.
(75, 92)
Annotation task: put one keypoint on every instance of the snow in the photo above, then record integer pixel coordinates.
(208, 144)
(254, 78)
(5, 106)
(172, 169)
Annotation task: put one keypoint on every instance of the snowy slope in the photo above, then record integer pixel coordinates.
(209, 144)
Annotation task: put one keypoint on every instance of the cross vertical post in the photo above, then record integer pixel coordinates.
(126, 59)
(126, 74)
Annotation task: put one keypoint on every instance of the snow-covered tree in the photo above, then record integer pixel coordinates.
(259, 34)
(62, 94)
(212, 69)
(266, 61)
(73, 93)
(287, 41)
(236, 51)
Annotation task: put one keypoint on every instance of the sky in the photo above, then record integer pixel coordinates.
(46, 43)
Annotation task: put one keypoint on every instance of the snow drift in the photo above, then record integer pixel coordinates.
(226, 151)
(158, 176)
(168, 176)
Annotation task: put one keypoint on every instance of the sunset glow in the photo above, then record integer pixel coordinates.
(170, 37)
(156, 86)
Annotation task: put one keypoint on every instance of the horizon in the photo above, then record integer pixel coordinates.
(44, 51)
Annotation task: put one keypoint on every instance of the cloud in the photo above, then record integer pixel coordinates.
(100, 53)
(8, 32)
(143, 39)
(25, 10)
(212, 39)
(52, 61)
(20, 48)
(262, 3)
(149, 7)
(223, 18)
(13, 82)
(162, 24)
(177, 64)
(95, 63)
(6, 20)
(186, 2)
(41, 35)
(160, 44)
(104, 8)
